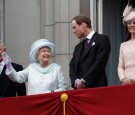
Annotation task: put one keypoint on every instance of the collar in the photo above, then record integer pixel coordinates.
(90, 34)
(48, 69)
(2, 63)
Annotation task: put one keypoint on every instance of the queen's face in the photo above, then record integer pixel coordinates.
(44, 55)
(131, 26)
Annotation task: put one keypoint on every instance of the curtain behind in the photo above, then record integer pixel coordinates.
(114, 28)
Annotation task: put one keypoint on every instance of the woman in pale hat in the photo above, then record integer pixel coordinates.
(126, 66)
(42, 76)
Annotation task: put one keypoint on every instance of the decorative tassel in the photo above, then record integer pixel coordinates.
(64, 98)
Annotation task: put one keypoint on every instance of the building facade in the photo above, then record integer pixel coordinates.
(24, 21)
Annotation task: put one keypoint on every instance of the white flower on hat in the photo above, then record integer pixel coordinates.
(128, 14)
(127, 10)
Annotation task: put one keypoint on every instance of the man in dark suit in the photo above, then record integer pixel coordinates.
(87, 66)
(9, 88)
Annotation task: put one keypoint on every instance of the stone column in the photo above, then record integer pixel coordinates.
(65, 41)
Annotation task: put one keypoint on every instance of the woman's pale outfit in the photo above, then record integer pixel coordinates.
(126, 66)
(40, 80)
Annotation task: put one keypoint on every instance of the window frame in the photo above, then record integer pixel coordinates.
(2, 20)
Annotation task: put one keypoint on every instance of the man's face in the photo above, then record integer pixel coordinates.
(78, 30)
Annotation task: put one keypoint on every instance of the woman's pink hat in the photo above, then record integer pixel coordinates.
(128, 14)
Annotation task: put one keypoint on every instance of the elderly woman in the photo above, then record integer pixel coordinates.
(126, 66)
(42, 76)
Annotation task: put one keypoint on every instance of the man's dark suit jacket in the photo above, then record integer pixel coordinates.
(89, 64)
(9, 88)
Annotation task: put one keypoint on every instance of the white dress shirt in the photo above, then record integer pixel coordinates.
(90, 35)
(2, 64)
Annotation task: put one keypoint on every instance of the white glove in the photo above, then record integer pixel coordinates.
(7, 61)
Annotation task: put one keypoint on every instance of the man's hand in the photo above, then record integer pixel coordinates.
(80, 84)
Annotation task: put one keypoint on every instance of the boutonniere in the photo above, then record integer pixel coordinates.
(93, 43)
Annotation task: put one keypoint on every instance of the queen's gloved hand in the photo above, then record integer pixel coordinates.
(7, 61)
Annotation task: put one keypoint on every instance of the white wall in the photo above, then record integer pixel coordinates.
(22, 28)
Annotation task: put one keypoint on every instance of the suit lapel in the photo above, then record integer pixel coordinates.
(90, 44)
(5, 79)
(79, 51)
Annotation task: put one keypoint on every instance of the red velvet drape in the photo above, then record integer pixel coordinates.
(117, 100)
